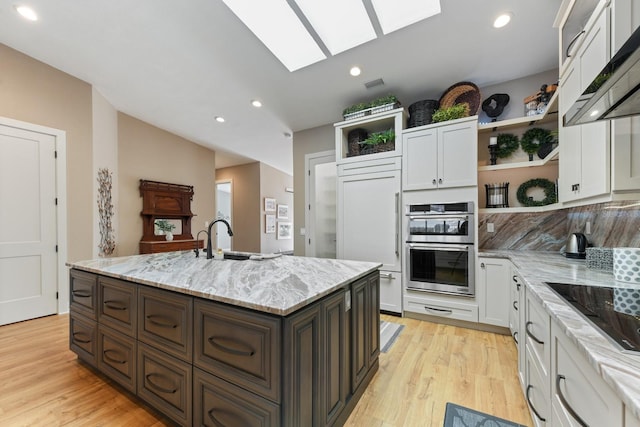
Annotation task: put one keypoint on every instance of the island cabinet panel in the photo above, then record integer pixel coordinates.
(117, 305)
(240, 346)
(83, 293)
(117, 357)
(83, 338)
(218, 403)
(366, 327)
(336, 373)
(165, 320)
(165, 383)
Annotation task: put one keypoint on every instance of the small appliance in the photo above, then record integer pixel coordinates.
(576, 246)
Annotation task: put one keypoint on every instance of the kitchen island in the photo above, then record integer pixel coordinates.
(284, 341)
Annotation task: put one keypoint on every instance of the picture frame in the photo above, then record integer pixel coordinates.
(269, 224)
(269, 204)
(283, 211)
(285, 230)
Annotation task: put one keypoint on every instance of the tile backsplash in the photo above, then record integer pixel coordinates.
(613, 224)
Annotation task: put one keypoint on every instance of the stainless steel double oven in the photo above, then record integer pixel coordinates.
(440, 252)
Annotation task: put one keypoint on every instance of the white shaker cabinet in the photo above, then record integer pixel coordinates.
(585, 150)
(494, 293)
(440, 155)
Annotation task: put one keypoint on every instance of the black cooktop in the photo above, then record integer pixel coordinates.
(614, 310)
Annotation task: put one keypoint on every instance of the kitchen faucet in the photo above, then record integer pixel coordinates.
(209, 251)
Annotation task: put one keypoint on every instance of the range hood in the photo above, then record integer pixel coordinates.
(615, 92)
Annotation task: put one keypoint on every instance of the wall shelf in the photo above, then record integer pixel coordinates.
(553, 156)
(522, 209)
(550, 115)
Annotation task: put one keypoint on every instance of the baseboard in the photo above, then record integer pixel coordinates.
(459, 323)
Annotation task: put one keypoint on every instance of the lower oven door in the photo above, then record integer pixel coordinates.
(445, 268)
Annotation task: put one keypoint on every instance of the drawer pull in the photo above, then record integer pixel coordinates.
(114, 305)
(111, 359)
(156, 386)
(164, 322)
(515, 305)
(213, 418)
(388, 276)
(565, 404)
(529, 387)
(515, 337)
(439, 310)
(212, 341)
(77, 337)
(530, 334)
(572, 42)
(81, 293)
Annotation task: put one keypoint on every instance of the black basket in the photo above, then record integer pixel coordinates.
(354, 138)
(420, 112)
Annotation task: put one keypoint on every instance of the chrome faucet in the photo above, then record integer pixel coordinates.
(209, 251)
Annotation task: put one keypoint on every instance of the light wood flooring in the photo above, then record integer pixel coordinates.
(42, 383)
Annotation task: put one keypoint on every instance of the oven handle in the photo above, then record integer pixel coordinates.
(397, 224)
(450, 248)
(443, 216)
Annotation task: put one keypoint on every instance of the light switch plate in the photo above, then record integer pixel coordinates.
(490, 228)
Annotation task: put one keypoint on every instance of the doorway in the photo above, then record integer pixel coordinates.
(224, 206)
(320, 202)
(32, 230)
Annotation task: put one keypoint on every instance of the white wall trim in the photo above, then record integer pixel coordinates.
(61, 194)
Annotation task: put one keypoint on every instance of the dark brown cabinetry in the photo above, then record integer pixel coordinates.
(205, 363)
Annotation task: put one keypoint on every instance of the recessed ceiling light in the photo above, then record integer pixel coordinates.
(594, 113)
(26, 12)
(256, 103)
(355, 71)
(502, 20)
(219, 119)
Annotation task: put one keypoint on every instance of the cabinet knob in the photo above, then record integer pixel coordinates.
(434, 181)
(482, 265)
(440, 181)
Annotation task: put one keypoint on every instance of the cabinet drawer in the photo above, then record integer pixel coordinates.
(117, 307)
(117, 357)
(369, 166)
(536, 392)
(447, 309)
(165, 383)
(83, 338)
(537, 329)
(218, 403)
(165, 321)
(240, 346)
(391, 291)
(83, 296)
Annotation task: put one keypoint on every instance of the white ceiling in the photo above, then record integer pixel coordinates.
(178, 63)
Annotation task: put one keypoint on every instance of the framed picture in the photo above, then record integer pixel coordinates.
(283, 211)
(269, 224)
(285, 230)
(269, 205)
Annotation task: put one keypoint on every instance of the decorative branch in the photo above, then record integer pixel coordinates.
(105, 213)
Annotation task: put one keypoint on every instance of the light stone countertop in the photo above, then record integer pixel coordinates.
(279, 286)
(620, 370)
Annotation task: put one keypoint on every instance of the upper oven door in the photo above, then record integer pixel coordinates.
(457, 228)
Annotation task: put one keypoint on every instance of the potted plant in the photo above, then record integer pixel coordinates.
(379, 141)
(456, 111)
(378, 105)
(165, 227)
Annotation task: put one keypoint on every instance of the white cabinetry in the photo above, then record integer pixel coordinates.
(493, 288)
(440, 155)
(368, 204)
(516, 320)
(585, 150)
(537, 328)
(579, 395)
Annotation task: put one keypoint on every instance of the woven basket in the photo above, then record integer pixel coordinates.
(421, 112)
(377, 148)
(460, 93)
(354, 140)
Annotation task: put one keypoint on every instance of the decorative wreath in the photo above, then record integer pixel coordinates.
(549, 192)
(533, 139)
(507, 144)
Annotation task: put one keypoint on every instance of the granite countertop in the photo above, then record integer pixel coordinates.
(621, 370)
(278, 285)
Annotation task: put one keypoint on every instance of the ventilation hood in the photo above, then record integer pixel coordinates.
(615, 92)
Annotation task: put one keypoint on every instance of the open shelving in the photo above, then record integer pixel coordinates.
(550, 115)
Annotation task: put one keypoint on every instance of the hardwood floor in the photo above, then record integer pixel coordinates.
(42, 383)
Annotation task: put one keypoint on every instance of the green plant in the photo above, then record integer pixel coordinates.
(383, 100)
(549, 192)
(456, 111)
(507, 144)
(534, 138)
(354, 108)
(164, 225)
(380, 137)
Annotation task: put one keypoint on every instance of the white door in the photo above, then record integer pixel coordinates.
(28, 227)
(320, 218)
(223, 206)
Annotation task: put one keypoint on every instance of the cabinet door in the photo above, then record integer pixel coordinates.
(625, 152)
(83, 298)
(536, 392)
(457, 155)
(335, 367)
(420, 160)
(365, 320)
(390, 292)
(368, 225)
(83, 339)
(571, 146)
(117, 305)
(117, 357)
(537, 328)
(494, 283)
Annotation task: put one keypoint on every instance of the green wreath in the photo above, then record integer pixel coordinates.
(549, 192)
(533, 139)
(507, 144)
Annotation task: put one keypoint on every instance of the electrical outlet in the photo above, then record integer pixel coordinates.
(490, 228)
(303, 231)
(206, 224)
(587, 228)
